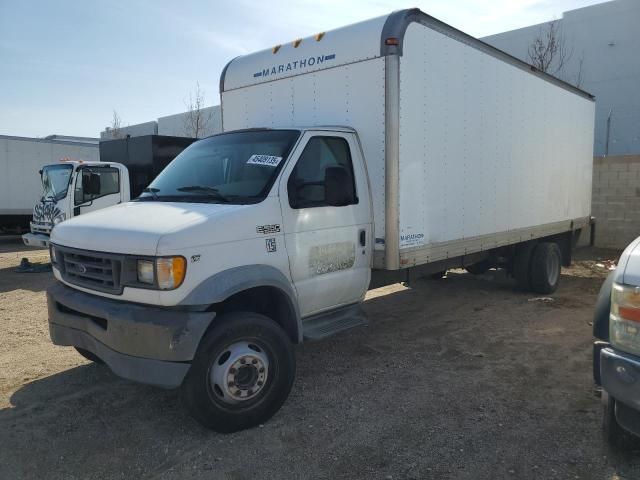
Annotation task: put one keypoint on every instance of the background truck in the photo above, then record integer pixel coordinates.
(375, 153)
(20, 160)
(71, 188)
(616, 353)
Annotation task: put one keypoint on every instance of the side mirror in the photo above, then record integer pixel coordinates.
(90, 183)
(338, 187)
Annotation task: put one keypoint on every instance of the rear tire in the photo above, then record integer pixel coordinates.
(522, 265)
(89, 355)
(242, 373)
(546, 263)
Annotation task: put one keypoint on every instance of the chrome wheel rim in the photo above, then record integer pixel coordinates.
(553, 269)
(239, 373)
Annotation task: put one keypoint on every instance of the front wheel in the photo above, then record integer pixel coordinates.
(242, 373)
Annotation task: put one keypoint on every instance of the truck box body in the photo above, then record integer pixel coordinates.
(20, 160)
(145, 157)
(467, 148)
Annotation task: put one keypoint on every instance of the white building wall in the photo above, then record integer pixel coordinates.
(176, 125)
(171, 125)
(137, 130)
(607, 39)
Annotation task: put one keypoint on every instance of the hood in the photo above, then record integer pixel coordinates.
(628, 271)
(134, 227)
(46, 210)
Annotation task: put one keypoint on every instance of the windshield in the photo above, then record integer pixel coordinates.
(55, 181)
(237, 167)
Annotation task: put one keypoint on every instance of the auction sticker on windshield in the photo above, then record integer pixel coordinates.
(266, 160)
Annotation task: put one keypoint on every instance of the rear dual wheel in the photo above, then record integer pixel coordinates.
(537, 267)
(242, 373)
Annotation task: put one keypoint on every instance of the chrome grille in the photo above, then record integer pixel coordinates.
(93, 270)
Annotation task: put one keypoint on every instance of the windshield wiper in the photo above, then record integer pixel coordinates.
(153, 192)
(205, 191)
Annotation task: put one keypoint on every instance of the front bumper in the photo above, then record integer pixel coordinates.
(36, 240)
(620, 377)
(144, 343)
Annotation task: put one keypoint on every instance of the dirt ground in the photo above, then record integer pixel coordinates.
(460, 378)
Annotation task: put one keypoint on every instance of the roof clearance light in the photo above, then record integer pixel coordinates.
(319, 36)
(276, 48)
(296, 43)
(392, 41)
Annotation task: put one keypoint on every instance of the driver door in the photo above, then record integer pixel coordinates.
(110, 190)
(329, 247)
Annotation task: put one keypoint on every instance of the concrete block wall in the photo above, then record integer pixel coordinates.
(616, 200)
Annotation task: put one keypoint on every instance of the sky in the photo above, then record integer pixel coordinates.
(66, 65)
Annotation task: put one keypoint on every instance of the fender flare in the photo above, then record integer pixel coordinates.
(222, 285)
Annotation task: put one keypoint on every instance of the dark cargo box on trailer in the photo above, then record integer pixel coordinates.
(145, 156)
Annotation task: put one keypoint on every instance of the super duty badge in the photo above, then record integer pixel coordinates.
(268, 229)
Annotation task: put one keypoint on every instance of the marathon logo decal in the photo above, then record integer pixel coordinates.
(291, 66)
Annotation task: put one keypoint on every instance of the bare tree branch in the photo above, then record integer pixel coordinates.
(548, 52)
(196, 120)
(580, 74)
(116, 125)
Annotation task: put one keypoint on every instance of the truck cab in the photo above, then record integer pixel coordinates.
(267, 231)
(71, 188)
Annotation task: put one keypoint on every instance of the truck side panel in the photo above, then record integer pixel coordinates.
(348, 95)
(20, 160)
(485, 149)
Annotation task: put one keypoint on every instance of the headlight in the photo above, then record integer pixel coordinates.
(52, 254)
(145, 272)
(60, 218)
(624, 324)
(167, 273)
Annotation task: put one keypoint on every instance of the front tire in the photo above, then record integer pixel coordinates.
(242, 373)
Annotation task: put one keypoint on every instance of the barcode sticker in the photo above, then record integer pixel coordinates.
(266, 160)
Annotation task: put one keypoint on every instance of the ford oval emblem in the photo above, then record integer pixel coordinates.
(81, 268)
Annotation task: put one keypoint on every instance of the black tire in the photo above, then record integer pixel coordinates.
(546, 264)
(89, 355)
(478, 268)
(205, 400)
(614, 434)
(522, 265)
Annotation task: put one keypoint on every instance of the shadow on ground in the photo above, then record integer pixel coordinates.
(458, 378)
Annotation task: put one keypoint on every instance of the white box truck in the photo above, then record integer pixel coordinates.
(20, 160)
(379, 152)
(77, 187)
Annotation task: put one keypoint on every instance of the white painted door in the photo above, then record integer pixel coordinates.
(110, 194)
(329, 247)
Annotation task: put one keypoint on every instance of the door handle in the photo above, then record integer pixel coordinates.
(363, 238)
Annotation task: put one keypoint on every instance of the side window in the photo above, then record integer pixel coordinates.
(109, 184)
(324, 166)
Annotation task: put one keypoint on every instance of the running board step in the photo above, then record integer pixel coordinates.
(326, 324)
